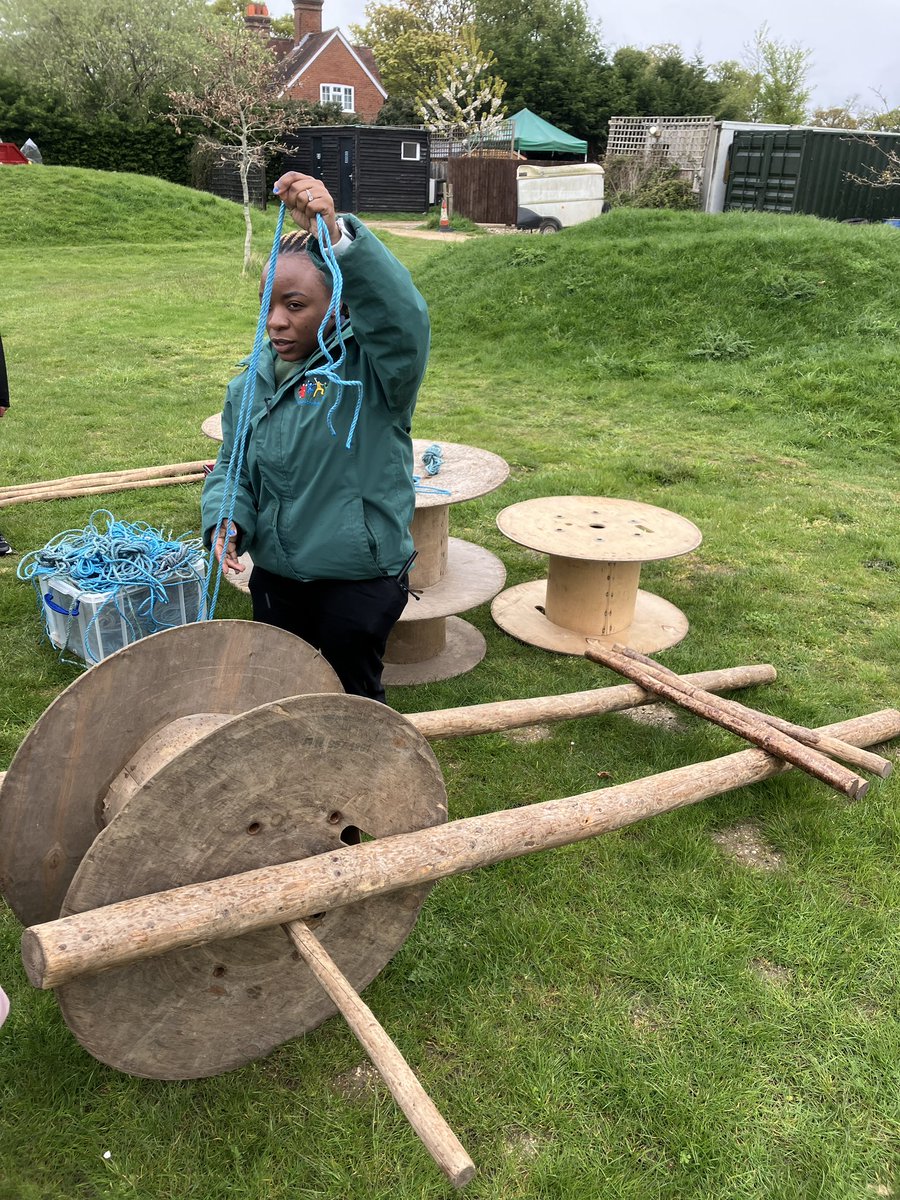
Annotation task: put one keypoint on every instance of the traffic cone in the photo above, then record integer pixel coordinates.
(445, 216)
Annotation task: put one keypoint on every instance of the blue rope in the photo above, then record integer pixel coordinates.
(329, 371)
(114, 558)
(236, 462)
(433, 458)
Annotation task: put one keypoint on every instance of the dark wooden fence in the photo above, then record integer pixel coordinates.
(484, 189)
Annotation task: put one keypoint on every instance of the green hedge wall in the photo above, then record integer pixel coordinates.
(106, 143)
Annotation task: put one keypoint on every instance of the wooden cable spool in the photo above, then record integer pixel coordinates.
(222, 761)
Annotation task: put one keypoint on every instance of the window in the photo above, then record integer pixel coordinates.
(411, 151)
(337, 93)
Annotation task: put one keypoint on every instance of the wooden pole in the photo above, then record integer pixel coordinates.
(100, 489)
(145, 926)
(512, 714)
(438, 1138)
(189, 468)
(721, 712)
(833, 747)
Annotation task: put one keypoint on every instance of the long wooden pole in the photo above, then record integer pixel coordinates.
(719, 711)
(70, 493)
(145, 926)
(97, 477)
(511, 714)
(438, 1138)
(833, 747)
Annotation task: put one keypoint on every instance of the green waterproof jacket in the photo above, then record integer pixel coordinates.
(309, 507)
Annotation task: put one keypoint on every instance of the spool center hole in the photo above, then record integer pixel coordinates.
(254, 827)
(219, 971)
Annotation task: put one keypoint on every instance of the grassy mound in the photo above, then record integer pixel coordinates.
(69, 206)
(741, 314)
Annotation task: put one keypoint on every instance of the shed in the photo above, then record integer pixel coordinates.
(535, 136)
(367, 168)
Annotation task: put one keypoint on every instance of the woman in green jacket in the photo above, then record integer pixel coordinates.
(326, 494)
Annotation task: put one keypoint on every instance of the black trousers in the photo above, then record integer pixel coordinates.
(349, 620)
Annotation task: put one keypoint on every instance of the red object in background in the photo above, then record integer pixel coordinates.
(10, 153)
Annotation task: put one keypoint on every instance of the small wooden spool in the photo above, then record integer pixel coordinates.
(596, 547)
(430, 642)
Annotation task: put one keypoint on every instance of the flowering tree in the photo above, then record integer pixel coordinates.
(236, 97)
(470, 102)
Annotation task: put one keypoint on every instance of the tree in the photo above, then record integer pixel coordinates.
(469, 100)
(549, 53)
(659, 81)
(409, 40)
(236, 97)
(781, 75)
(102, 56)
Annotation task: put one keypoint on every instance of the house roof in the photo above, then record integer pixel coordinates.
(534, 133)
(308, 49)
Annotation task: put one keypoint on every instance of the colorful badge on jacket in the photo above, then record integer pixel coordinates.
(311, 391)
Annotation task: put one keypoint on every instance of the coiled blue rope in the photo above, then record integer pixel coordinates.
(132, 564)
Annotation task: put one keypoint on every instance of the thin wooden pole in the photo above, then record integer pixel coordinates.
(833, 747)
(721, 712)
(187, 468)
(100, 489)
(438, 1138)
(57, 951)
(511, 714)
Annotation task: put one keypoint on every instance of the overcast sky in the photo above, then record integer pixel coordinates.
(855, 46)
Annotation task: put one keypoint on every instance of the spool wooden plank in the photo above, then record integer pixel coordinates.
(598, 529)
(284, 781)
(90, 732)
(521, 612)
(124, 933)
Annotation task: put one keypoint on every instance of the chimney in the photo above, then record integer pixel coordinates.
(307, 18)
(257, 19)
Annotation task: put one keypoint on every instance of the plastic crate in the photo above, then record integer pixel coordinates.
(93, 625)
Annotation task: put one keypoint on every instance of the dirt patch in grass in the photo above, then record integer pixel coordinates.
(528, 734)
(770, 972)
(745, 844)
(644, 1017)
(659, 715)
(359, 1082)
(521, 1143)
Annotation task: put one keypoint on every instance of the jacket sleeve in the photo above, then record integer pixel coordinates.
(388, 315)
(245, 508)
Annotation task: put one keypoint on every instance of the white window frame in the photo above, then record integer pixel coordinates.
(344, 94)
(417, 146)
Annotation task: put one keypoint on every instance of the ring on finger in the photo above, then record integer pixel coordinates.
(309, 196)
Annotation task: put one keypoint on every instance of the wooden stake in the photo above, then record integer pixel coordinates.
(864, 759)
(722, 712)
(116, 934)
(512, 714)
(188, 468)
(100, 489)
(438, 1138)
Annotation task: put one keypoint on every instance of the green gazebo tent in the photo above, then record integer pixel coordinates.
(534, 135)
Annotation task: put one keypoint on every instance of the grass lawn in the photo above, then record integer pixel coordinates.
(642, 1016)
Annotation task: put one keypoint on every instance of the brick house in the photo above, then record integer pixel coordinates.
(319, 65)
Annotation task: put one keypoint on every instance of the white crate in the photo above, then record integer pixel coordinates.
(92, 625)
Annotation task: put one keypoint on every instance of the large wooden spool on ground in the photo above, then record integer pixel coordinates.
(180, 759)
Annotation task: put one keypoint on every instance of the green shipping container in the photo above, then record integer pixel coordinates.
(808, 170)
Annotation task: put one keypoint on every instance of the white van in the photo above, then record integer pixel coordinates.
(549, 198)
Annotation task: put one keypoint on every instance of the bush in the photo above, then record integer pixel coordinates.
(107, 143)
(635, 182)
